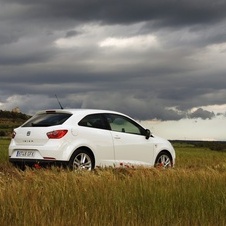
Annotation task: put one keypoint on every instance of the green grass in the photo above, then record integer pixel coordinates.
(193, 193)
(197, 158)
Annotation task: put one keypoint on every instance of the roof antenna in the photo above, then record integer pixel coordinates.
(59, 102)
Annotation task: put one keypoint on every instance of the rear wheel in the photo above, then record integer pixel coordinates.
(163, 160)
(81, 160)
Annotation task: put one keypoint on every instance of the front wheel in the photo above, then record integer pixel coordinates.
(163, 160)
(81, 160)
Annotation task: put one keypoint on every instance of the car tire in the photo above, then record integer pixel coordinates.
(163, 160)
(81, 160)
(19, 166)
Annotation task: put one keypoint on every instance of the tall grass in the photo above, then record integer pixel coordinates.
(4, 143)
(193, 193)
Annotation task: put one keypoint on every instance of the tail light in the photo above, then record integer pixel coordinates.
(56, 134)
(13, 134)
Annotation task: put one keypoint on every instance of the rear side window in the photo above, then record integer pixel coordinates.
(47, 119)
(95, 121)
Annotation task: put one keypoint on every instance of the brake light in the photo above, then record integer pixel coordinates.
(57, 134)
(50, 112)
(13, 134)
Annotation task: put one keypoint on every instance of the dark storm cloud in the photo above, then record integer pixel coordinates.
(165, 78)
(167, 12)
(71, 33)
(203, 114)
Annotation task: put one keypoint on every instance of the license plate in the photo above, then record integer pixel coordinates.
(25, 154)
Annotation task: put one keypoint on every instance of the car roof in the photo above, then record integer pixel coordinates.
(78, 110)
(79, 113)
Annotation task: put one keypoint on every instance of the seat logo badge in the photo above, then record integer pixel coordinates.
(28, 133)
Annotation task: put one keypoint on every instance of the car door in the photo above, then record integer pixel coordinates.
(130, 145)
(95, 133)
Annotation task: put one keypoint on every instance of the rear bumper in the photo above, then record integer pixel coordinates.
(37, 163)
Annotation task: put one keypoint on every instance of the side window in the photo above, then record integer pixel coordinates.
(123, 124)
(94, 121)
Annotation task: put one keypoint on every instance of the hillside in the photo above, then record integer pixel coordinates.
(10, 120)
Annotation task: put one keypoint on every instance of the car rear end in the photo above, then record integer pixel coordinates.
(41, 140)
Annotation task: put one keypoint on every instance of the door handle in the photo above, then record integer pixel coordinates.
(117, 137)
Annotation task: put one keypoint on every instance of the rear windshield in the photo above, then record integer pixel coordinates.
(47, 119)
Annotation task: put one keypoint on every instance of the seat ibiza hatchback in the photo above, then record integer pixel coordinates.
(85, 139)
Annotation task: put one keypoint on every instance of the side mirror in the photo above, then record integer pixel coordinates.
(147, 134)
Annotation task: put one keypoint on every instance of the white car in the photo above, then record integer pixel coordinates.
(85, 139)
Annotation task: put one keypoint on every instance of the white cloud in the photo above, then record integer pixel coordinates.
(212, 57)
(141, 41)
(28, 104)
(215, 108)
(217, 48)
(107, 36)
(189, 129)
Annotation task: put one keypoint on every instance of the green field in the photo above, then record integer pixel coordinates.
(193, 193)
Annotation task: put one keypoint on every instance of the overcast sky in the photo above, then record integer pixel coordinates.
(151, 59)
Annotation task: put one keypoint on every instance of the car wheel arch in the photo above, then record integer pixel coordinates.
(85, 148)
(162, 152)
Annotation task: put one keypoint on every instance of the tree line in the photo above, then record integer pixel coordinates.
(10, 120)
(13, 115)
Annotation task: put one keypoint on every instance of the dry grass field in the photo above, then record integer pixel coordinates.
(192, 193)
